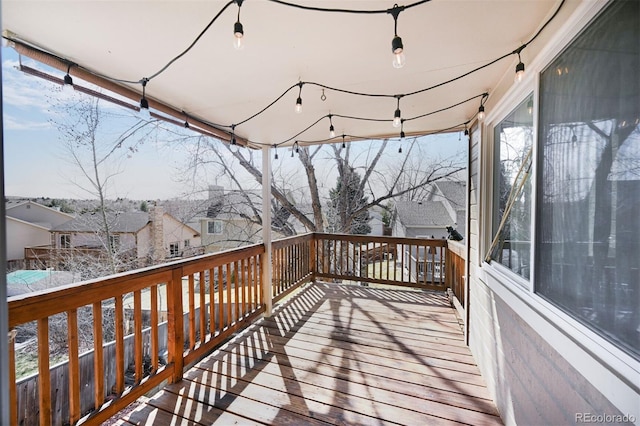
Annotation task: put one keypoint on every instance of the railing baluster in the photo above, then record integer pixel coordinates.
(250, 283)
(137, 337)
(236, 290)
(220, 299)
(242, 283)
(228, 284)
(119, 324)
(98, 357)
(203, 311)
(212, 304)
(74, 366)
(192, 312)
(44, 377)
(154, 328)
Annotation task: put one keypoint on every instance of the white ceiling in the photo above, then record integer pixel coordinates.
(283, 45)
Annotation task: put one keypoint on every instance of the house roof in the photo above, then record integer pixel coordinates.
(428, 214)
(122, 222)
(454, 191)
(284, 45)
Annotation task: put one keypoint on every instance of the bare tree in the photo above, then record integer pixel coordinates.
(97, 154)
(302, 200)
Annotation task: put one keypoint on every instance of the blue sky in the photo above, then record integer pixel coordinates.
(35, 159)
(36, 162)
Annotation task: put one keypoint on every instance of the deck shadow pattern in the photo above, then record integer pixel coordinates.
(335, 354)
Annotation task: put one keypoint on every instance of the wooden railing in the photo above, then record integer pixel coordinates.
(408, 262)
(292, 265)
(455, 271)
(204, 300)
(222, 294)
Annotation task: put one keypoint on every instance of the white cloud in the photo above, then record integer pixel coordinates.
(13, 123)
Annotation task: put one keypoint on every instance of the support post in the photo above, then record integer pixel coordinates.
(5, 407)
(267, 268)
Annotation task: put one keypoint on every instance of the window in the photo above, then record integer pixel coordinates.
(214, 227)
(65, 241)
(114, 242)
(513, 140)
(187, 243)
(174, 249)
(588, 233)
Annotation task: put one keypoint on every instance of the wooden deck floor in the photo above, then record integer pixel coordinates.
(335, 354)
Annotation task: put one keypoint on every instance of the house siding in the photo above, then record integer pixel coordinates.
(21, 235)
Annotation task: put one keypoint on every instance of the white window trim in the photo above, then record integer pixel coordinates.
(614, 372)
(214, 221)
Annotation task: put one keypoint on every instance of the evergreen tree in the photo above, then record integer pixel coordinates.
(347, 199)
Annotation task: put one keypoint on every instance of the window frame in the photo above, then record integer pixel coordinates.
(176, 252)
(215, 222)
(604, 364)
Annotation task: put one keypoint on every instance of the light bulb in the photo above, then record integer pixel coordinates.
(398, 60)
(238, 32)
(332, 132)
(396, 118)
(298, 105)
(398, 52)
(481, 113)
(519, 72)
(530, 107)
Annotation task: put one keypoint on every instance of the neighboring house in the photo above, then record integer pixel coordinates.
(452, 193)
(147, 238)
(230, 221)
(428, 218)
(227, 223)
(28, 224)
(421, 219)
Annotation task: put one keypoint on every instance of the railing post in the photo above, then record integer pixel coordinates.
(175, 326)
(267, 271)
(312, 256)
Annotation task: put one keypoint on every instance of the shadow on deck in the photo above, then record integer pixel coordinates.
(335, 354)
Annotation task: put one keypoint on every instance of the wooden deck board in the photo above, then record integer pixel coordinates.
(335, 355)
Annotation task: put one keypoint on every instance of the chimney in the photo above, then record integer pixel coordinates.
(158, 252)
(215, 192)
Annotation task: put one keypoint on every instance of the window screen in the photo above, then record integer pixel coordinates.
(588, 222)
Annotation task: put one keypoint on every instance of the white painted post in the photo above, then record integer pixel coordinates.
(267, 272)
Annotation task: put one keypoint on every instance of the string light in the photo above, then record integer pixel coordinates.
(275, 147)
(401, 136)
(296, 146)
(238, 30)
(397, 120)
(530, 106)
(519, 67)
(332, 131)
(68, 81)
(481, 113)
(233, 134)
(298, 108)
(344, 145)
(397, 48)
(144, 103)
(466, 131)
